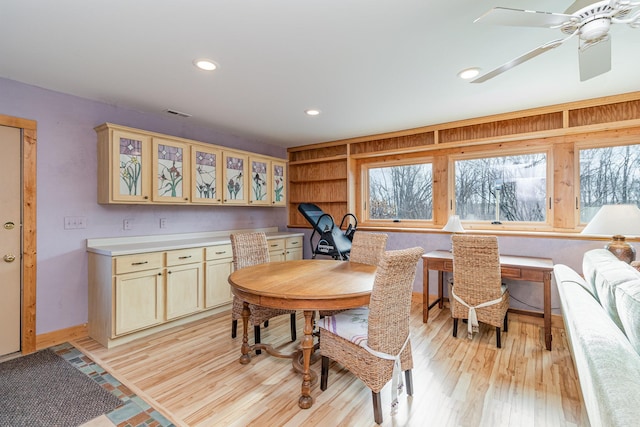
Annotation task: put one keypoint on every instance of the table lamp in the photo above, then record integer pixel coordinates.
(617, 221)
(453, 225)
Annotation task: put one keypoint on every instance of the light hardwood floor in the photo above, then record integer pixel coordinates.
(192, 375)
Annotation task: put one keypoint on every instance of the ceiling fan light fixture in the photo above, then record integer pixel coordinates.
(205, 64)
(469, 73)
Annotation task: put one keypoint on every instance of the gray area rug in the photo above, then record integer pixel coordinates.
(43, 389)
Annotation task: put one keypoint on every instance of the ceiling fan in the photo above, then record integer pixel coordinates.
(588, 20)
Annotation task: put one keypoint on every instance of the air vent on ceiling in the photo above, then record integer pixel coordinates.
(178, 113)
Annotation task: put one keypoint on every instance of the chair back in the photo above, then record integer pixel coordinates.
(249, 249)
(390, 304)
(476, 268)
(368, 248)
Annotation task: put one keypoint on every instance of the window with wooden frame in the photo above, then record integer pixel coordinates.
(505, 189)
(397, 192)
(607, 175)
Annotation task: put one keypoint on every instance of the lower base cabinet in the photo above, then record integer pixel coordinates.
(131, 296)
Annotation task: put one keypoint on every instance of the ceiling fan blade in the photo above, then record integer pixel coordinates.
(523, 18)
(519, 60)
(581, 4)
(595, 58)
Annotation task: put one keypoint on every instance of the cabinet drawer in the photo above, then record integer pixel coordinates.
(276, 245)
(294, 242)
(184, 256)
(138, 262)
(219, 252)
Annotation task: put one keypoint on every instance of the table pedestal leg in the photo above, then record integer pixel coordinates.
(306, 400)
(245, 349)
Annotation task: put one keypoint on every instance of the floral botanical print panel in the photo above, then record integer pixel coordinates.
(205, 175)
(130, 167)
(258, 180)
(278, 183)
(235, 168)
(169, 171)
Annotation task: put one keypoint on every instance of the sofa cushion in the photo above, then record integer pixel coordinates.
(610, 275)
(564, 274)
(607, 364)
(628, 306)
(590, 262)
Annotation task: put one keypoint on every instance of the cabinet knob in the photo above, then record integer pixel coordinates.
(9, 258)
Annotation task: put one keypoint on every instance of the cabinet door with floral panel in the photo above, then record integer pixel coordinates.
(260, 181)
(235, 178)
(131, 154)
(279, 182)
(206, 177)
(170, 171)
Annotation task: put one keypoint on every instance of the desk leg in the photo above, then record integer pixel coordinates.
(306, 400)
(245, 349)
(425, 292)
(440, 288)
(547, 310)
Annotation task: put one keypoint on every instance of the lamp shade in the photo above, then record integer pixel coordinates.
(453, 225)
(613, 220)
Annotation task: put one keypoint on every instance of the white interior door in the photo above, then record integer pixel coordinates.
(10, 240)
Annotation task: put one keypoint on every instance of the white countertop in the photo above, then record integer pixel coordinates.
(114, 246)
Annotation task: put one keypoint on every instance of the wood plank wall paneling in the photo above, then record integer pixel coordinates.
(611, 120)
(325, 191)
(311, 154)
(535, 123)
(626, 110)
(399, 142)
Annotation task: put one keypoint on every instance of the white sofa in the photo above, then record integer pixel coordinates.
(601, 314)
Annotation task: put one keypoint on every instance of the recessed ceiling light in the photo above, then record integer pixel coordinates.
(469, 73)
(205, 64)
(312, 112)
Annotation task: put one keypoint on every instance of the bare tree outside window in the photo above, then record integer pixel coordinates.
(498, 189)
(608, 176)
(401, 192)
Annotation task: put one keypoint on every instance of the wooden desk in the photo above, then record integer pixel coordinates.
(308, 285)
(513, 267)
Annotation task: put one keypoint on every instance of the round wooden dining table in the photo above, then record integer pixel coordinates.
(307, 285)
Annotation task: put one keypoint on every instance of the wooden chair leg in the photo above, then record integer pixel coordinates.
(293, 327)
(408, 379)
(256, 337)
(234, 328)
(498, 344)
(377, 407)
(505, 327)
(455, 327)
(324, 373)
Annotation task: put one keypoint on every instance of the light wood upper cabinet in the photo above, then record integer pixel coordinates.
(124, 166)
(206, 175)
(260, 180)
(171, 172)
(235, 178)
(136, 166)
(278, 183)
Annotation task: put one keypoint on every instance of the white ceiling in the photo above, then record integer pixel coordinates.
(370, 66)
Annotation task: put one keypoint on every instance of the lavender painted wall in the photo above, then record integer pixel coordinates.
(67, 186)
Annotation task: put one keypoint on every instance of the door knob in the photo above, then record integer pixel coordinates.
(9, 258)
(9, 225)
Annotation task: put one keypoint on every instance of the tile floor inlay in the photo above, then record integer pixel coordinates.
(134, 412)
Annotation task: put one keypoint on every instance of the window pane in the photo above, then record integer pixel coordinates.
(609, 175)
(401, 192)
(498, 189)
